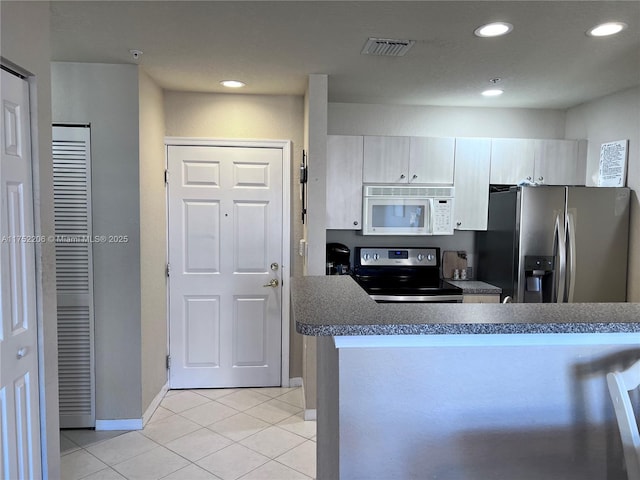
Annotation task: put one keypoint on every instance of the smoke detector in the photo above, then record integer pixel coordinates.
(387, 47)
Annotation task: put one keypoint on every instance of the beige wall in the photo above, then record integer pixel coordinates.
(361, 119)
(237, 116)
(611, 118)
(106, 97)
(316, 108)
(25, 42)
(153, 243)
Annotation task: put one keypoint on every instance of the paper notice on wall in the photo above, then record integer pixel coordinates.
(613, 164)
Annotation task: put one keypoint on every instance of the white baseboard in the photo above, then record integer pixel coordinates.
(120, 424)
(134, 423)
(154, 404)
(295, 382)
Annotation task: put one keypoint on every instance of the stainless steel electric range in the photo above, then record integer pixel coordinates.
(403, 275)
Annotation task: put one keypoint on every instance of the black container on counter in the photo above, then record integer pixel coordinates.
(338, 259)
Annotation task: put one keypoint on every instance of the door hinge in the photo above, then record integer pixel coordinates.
(168, 270)
(168, 362)
(166, 177)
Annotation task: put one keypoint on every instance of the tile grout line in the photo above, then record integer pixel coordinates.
(269, 423)
(237, 442)
(112, 467)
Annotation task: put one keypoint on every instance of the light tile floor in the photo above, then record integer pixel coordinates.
(249, 434)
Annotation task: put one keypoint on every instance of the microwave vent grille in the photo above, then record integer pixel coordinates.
(398, 191)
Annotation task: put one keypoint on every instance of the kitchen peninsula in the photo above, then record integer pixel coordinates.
(463, 391)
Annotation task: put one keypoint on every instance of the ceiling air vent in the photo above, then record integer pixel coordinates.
(387, 47)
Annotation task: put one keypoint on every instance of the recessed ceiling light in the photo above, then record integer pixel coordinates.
(606, 29)
(493, 92)
(494, 29)
(232, 84)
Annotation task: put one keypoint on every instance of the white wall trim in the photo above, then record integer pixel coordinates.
(295, 382)
(154, 404)
(286, 269)
(226, 142)
(120, 424)
(485, 340)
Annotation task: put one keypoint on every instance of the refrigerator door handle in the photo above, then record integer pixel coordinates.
(559, 253)
(571, 256)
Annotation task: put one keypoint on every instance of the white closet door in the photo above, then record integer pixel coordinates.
(19, 384)
(74, 275)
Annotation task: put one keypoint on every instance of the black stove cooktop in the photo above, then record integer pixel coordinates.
(396, 286)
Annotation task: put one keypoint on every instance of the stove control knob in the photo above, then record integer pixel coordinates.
(376, 256)
(420, 257)
(430, 257)
(366, 256)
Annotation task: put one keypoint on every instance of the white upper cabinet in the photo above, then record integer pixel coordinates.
(431, 160)
(548, 162)
(472, 168)
(386, 159)
(512, 160)
(560, 162)
(423, 160)
(344, 182)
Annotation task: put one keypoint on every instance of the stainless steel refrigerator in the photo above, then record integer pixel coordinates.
(556, 244)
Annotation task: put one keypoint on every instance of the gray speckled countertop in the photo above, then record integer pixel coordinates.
(336, 305)
(475, 287)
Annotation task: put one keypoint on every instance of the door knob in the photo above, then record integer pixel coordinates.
(272, 283)
(274, 266)
(21, 352)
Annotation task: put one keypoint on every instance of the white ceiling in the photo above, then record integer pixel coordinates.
(547, 61)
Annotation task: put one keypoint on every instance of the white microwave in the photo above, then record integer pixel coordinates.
(407, 210)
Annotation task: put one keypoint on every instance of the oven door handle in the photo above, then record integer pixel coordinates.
(417, 298)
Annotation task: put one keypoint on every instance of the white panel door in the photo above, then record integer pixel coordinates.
(225, 247)
(19, 408)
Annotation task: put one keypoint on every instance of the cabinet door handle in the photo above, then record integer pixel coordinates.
(414, 177)
(355, 222)
(402, 175)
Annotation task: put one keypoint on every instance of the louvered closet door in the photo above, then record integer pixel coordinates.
(74, 275)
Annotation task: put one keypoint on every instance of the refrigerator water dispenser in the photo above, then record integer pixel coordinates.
(538, 271)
